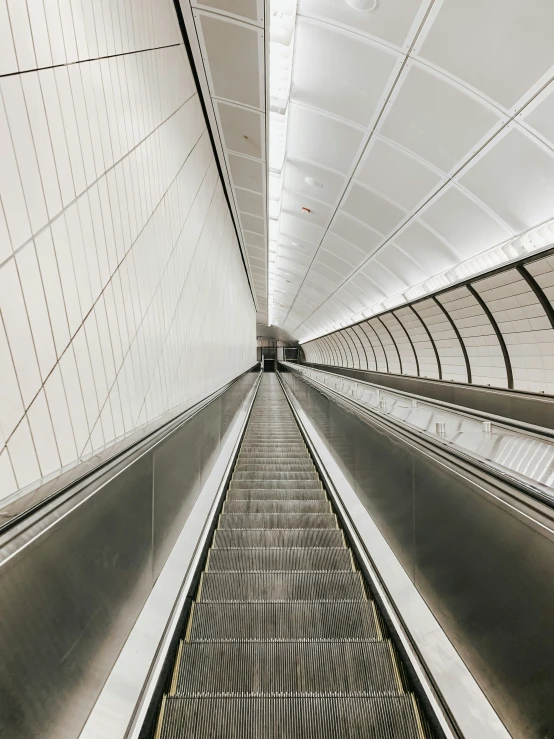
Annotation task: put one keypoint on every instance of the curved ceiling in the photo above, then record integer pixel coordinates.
(430, 128)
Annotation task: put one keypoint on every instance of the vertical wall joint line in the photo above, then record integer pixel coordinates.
(409, 339)
(383, 324)
(360, 326)
(539, 293)
(363, 347)
(439, 366)
(498, 332)
(458, 335)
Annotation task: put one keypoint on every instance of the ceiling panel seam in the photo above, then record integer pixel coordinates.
(190, 55)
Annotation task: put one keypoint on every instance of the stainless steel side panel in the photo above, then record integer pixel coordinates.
(520, 406)
(72, 586)
(483, 565)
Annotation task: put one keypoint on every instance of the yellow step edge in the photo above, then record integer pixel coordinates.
(159, 727)
(173, 687)
(395, 665)
(189, 624)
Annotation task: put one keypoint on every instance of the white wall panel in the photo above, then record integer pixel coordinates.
(525, 327)
(483, 349)
(360, 353)
(428, 366)
(402, 342)
(367, 347)
(448, 346)
(391, 352)
(121, 281)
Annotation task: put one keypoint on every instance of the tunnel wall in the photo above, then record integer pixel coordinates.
(496, 330)
(121, 280)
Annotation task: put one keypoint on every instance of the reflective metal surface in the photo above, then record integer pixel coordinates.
(530, 408)
(481, 556)
(75, 579)
(450, 692)
(526, 455)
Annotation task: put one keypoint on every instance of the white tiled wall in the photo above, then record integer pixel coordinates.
(525, 327)
(122, 290)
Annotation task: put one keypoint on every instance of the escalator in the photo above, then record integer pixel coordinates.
(283, 638)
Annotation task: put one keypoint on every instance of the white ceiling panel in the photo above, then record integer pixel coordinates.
(390, 21)
(516, 179)
(464, 223)
(396, 174)
(436, 119)
(250, 202)
(247, 173)
(403, 115)
(541, 117)
(368, 287)
(254, 240)
(243, 129)
(326, 141)
(335, 262)
(330, 185)
(396, 262)
(301, 228)
(228, 43)
(372, 209)
(253, 223)
(234, 53)
(319, 214)
(426, 248)
(340, 72)
(252, 10)
(344, 249)
(366, 239)
(500, 47)
(389, 282)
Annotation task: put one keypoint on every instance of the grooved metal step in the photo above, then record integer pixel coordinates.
(270, 473)
(227, 538)
(277, 506)
(279, 560)
(270, 668)
(285, 466)
(316, 621)
(279, 494)
(277, 521)
(274, 484)
(310, 717)
(220, 587)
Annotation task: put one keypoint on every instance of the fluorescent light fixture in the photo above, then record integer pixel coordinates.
(282, 25)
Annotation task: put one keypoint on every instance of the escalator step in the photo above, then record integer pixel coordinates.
(285, 465)
(241, 538)
(352, 717)
(270, 668)
(274, 484)
(279, 560)
(316, 621)
(277, 506)
(280, 494)
(270, 473)
(277, 521)
(221, 587)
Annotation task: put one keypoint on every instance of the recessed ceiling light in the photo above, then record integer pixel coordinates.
(362, 4)
(312, 182)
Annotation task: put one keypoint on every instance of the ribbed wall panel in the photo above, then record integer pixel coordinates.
(428, 366)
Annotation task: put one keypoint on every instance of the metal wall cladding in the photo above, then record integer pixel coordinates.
(70, 597)
(532, 409)
(485, 570)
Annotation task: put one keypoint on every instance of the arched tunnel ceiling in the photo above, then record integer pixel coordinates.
(430, 127)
